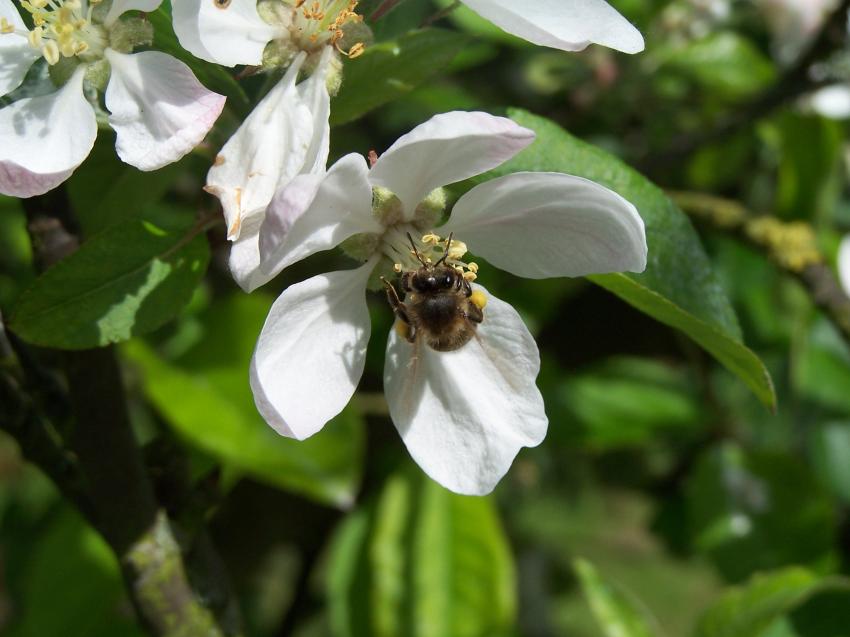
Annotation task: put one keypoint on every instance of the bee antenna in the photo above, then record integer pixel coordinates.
(415, 251)
(446, 253)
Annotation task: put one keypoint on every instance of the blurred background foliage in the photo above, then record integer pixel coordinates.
(669, 498)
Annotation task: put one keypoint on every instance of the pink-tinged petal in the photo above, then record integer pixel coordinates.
(448, 148)
(244, 258)
(157, 107)
(569, 25)
(43, 139)
(267, 151)
(539, 225)
(464, 415)
(16, 55)
(316, 213)
(844, 264)
(227, 33)
(311, 352)
(122, 6)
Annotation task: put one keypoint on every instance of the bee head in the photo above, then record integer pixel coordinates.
(430, 279)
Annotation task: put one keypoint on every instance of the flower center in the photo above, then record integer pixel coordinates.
(317, 23)
(62, 28)
(407, 251)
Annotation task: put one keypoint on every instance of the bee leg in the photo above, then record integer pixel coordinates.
(474, 313)
(400, 311)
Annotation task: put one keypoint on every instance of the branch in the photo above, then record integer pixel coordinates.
(790, 245)
(796, 81)
(120, 501)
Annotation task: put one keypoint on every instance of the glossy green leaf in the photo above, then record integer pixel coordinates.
(678, 287)
(422, 562)
(747, 611)
(125, 281)
(205, 396)
(618, 614)
(388, 70)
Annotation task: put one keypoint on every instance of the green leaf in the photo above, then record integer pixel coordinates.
(725, 64)
(678, 287)
(752, 512)
(422, 562)
(125, 281)
(389, 70)
(205, 396)
(747, 611)
(617, 614)
(74, 573)
(628, 402)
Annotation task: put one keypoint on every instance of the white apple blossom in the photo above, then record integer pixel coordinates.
(569, 25)
(464, 414)
(157, 107)
(234, 32)
(285, 135)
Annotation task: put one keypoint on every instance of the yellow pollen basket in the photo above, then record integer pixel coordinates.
(478, 299)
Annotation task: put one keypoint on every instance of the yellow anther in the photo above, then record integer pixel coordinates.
(397, 268)
(470, 276)
(402, 329)
(37, 4)
(473, 267)
(6, 26)
(50, 51)
(457, 249)
(34, 38)
(478, 299)
(356, 50)
(430, 239)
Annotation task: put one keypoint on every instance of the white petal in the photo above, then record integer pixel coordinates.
(229, 35)
(844, 264)
(16, 55)
(539, 225)
(569, 25)
(244, 259)
(464, 415)
(43, 139)
(122, 6)
(315, 213)
(157, 107)
(269, 149)
(311, 352)
(448, 148)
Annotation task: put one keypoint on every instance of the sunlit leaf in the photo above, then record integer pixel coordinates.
(422, 562)
(747, 611)
(618, 614)
(204, 394)
(124, 281)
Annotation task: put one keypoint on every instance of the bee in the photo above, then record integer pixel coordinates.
(439, 304)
